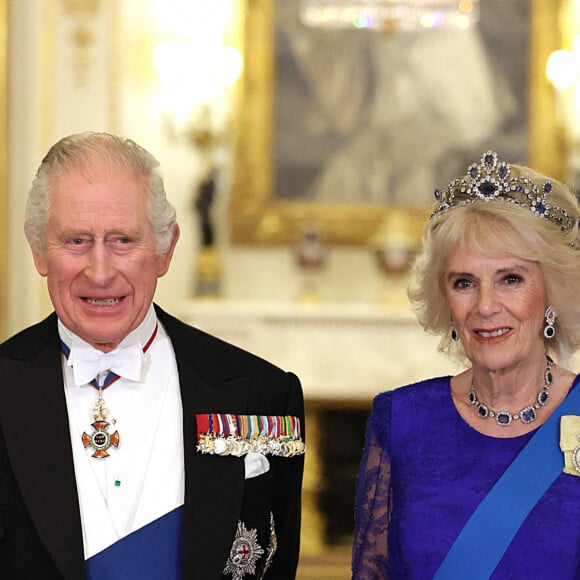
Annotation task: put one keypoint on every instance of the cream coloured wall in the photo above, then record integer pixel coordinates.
(25, 297)
(46, 100)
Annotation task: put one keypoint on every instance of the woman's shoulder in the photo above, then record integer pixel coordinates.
(399, 408)
(421, 389)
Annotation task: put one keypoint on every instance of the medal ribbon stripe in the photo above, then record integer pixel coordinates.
(246, 426)
(232, 426)
(232, 434)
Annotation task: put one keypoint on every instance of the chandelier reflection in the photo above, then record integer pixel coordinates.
(389, 15)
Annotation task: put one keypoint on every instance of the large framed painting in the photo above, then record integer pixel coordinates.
(338, 131)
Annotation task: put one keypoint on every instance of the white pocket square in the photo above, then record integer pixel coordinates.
(255, 464)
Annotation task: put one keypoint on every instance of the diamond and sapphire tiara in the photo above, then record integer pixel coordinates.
(490, 181)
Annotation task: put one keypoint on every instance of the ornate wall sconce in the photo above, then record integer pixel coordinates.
(197, 70)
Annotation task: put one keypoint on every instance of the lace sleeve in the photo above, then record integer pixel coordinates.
(372, 509)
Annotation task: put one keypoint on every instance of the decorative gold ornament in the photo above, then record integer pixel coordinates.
(81, 13)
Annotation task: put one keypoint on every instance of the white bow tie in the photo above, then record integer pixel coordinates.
(89, 363)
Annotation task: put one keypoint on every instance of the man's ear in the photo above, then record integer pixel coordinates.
(38, 255)
(164, 259)
(40, 261)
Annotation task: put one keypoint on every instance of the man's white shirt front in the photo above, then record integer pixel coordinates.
(143, 479)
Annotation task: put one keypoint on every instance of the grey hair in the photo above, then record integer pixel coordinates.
(78, 152)
(496, 228)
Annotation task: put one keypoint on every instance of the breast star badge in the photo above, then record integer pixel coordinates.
(244, 554)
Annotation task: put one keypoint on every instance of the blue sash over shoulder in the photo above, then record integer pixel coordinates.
(515, 494)
(150, 553)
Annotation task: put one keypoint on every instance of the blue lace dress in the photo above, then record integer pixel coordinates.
(424, 471)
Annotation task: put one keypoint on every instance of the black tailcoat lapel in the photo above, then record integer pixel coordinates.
(35, 423)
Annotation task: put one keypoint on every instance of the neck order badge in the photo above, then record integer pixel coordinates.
(100, 440)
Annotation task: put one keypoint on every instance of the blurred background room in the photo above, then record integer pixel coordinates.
(301, 141)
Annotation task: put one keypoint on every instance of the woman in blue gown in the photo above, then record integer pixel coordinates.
(478, 475)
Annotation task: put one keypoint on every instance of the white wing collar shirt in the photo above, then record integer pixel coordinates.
(141, 479)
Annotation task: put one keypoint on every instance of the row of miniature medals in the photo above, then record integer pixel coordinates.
(238, 435)
(527, 414)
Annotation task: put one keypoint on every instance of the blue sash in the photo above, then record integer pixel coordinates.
(150, 553)
(492, 526)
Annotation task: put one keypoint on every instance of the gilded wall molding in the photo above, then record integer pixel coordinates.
(3, 167)
(81, 14)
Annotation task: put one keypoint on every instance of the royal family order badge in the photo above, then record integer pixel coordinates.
(100, 439)
(570, 443)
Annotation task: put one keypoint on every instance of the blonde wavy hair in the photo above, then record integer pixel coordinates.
(492, 227)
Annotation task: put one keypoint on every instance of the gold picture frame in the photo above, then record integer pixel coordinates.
(3, 166)
(256, 216)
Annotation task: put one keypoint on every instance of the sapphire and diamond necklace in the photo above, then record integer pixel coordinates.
(526, 415)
